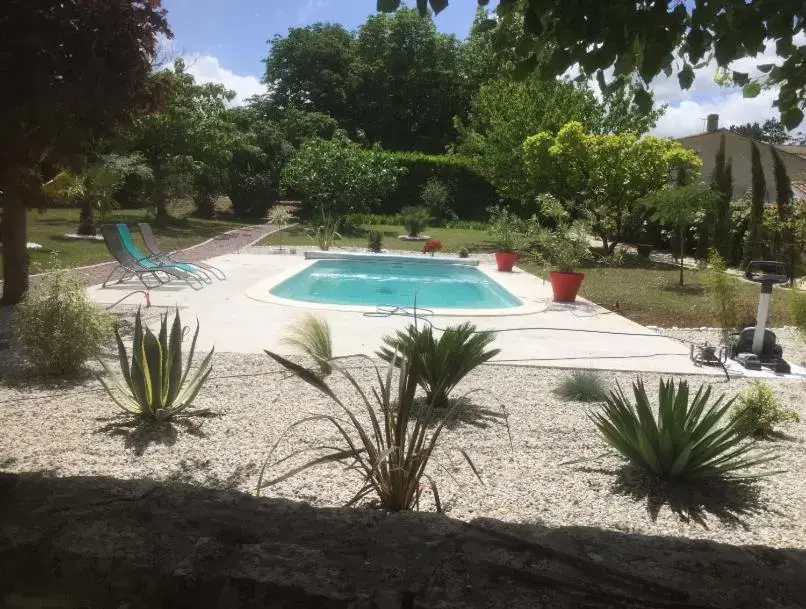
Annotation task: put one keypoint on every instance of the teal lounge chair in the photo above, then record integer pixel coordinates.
(133, 264)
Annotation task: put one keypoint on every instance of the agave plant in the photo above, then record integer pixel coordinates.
(391, 452)
(157, 385)
(440, 363)
(688, 440)
(311, 335)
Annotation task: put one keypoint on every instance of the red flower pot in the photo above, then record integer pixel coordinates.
(505, 260)
(565, 285)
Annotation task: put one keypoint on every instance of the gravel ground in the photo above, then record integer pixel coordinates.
(71, 429)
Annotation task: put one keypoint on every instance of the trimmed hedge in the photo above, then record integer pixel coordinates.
(472, 194)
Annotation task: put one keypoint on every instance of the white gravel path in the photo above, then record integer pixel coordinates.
(64, 430)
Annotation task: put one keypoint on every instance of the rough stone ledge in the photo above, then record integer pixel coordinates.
(99, 542)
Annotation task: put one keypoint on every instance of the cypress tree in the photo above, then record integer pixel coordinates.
(752, 246)
(722, 184)
(787, 250)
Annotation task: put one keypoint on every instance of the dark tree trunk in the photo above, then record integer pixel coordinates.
(86, 220)
(15, 254)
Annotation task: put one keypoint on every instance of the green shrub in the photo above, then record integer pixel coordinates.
(686, 440)
(472, 193)
(797, 307)
(759, 410)
(414, 220)
(157, 384)
(311, 335)
(59, 327)
(723, 294)
(391, 453)
(464, 252)
(375, 241)
(340, 177)
(436, 197)
(506, 229)
(440, 363)
(583, 386)
(564, 247)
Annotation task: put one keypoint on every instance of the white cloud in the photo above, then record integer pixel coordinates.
(688, 109)
(207, 68)
(309, 9)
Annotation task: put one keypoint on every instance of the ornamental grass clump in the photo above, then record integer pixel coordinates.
(759, 411)
(59, 327)
(440, 363)
(391, 448)
(583, 386)
(157, 385)
(687, 440)
(312, 336)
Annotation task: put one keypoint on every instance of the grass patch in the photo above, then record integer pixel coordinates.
(49, 227)
(453, 239)
(647, 293)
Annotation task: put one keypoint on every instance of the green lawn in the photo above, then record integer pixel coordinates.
(649, 294)
(452, 239)
(47, 228)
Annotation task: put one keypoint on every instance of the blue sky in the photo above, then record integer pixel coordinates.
(236, 31)
(225, 41)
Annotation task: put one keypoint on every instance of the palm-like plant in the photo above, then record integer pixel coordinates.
(95, 186)
(688, 440)
(157, 384)
(311, 335)
(392, 451)
(440, 363)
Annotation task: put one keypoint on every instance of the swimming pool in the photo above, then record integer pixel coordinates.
(395, 283)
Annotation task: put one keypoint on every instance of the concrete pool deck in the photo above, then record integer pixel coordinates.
(580, 335)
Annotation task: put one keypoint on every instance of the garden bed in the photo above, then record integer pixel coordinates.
(551, 473)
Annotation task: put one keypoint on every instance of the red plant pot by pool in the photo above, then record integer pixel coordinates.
(505, 260)
(565, 285)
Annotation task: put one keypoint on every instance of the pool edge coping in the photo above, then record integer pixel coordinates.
(261, 292)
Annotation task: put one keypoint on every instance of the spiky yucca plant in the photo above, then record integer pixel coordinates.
(687, 440)
(440, 363)
(157, 384)
(311, 335)
(391, 451)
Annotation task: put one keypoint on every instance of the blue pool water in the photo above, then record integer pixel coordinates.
(387, 282)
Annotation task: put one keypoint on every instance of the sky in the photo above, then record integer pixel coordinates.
(225, 41)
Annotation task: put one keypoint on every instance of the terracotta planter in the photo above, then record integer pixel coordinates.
(506, 260)
(565, 285)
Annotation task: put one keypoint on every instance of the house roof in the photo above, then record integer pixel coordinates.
(798, 152)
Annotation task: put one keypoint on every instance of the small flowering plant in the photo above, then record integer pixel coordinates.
(432, 246)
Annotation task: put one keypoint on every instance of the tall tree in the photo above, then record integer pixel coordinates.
(787, 248)
(309, 69)
(654, 36)
(79, 70)
(771, 131)
(408, 83)
(718, 222)
(753, 247)
(604, 176)
(505, 112)
(190, 131)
